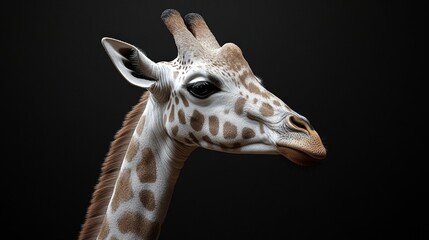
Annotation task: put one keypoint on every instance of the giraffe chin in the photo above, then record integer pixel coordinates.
(299, 157)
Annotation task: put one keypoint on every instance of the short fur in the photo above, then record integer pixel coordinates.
(111, 166)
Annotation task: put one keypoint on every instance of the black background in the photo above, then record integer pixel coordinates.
(354, 68)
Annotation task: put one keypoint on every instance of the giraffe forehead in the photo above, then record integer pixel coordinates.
(230, 62)
(226, 63)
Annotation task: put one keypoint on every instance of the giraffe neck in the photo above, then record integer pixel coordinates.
(146, 181)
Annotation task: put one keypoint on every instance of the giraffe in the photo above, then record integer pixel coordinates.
(206, 97)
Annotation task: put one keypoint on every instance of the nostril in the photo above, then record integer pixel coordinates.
(298, 124)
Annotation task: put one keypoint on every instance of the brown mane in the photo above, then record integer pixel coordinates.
(111, 166)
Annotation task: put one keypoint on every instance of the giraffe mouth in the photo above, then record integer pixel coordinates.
(302, 145)
(299, 156)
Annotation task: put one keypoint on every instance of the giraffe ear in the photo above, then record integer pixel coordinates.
(132, 63)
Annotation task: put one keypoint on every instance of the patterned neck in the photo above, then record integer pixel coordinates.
(146, 181)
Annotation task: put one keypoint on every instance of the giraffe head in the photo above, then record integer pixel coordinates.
(209, 97)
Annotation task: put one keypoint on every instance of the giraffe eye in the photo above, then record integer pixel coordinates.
(202, 89)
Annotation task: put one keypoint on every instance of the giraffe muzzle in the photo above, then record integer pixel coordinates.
(301, 144)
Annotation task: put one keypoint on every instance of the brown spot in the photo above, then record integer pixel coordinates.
(132, 149)
(174, 130)
(197, 120)
(229, 130)
(140, 125)
(239, 105)
(247, 133)
(226, 110)
(255, 100)
(181, 116)
(139, 225)
(243, 77)
(171, 118)
(254, 89)
(146, 168)
(104, 231)
(147, 198)
(114, 238)
(194, 139)
(275, 102)
(176, 99)
(236, 145)
(266, 110)
(261, 128)
(185, 101)
(213, 125)
(266, 94)
(207, 139)
(123, 189)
